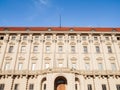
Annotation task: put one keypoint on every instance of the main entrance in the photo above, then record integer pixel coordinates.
(60, 83)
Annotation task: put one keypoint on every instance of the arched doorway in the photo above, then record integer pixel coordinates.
(60, 83)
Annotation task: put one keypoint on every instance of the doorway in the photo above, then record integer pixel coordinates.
(60, 83)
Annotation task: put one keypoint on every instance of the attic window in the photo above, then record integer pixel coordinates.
(113, 30)
(49, 29)
(71, 30)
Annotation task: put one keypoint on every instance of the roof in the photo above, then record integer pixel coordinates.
(102, 29)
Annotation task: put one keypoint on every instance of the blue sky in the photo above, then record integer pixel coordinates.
(85, 13)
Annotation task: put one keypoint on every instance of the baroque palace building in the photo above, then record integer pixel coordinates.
(59, 58)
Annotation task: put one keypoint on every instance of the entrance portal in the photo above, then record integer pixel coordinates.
(60, 83)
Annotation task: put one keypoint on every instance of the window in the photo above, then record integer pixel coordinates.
(36, 37)
(44, 86)
(95, 38)
(31, 86)
(97, 49)
(1, 37)
(107, 38)
(48, 36)
(7, 66)
(118, 38)
(47, 65)
(60, 48)
(73, 65)
(100, 66)
(73, 49)
(113, 66)
(87, 66)
(10, 49)
(83, 38)
(35, 48)
(118, 87)
(104, 87)
(76, 87)
(60, 36)
(85, 49)
(16, 87)
(25, 37)
(2, 86)
(60, 65)
(20, 66)
(13, 38)
(33, 66)
(72, 37)
(109, 49)
(47, 49)
(23, 48)
(89, 87)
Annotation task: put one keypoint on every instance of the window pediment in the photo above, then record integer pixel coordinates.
(48, 43)
(21, 58)
(108, 43)
(12, 43)
(23, 43)
(60, 43)
(96, 43)
(84, 43)
(8, 58)
(86, 58)
(34, 58)
(99, 58)
(36, 43)
(111, 58)
(72, 43)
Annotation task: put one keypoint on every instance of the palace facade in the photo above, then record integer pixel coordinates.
(59, 58)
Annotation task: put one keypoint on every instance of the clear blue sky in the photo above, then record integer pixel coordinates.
(94, 13)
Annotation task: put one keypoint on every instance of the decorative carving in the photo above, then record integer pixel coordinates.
(34, 58)
(36, 43)
(23, 43)
(21, 58)
(60, 43)
(12, 43)
(84, 43)
(48, 43)
(72, 43)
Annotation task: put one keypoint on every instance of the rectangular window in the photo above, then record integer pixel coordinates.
(107, 38)
(47, 49)
(7, 66)
(33, 66)
(31, 86)
(36, 37)
(2, 86)
(89, 87)
(23, 48)
(16, 87)
(87, 66)
(97, 49)
(109, 49)
(74, 65)
(95, 38)
(44, 86)
(10, 49)
(60, 48)
(104, 87)
(47, 65)
(100, 66)
(118, 87)
(113, 66)
(25, 37)
(35, 48)
(72, 37)
(13, 37)
(73, 49)
(60, 64)
(60, 36)
(83, 38)
(85, 49)
(48, 36)
(20, 66)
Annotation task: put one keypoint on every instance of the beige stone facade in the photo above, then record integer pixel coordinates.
(64, 59)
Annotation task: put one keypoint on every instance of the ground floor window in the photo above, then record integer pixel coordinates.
(2, 86)
(118, 87)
